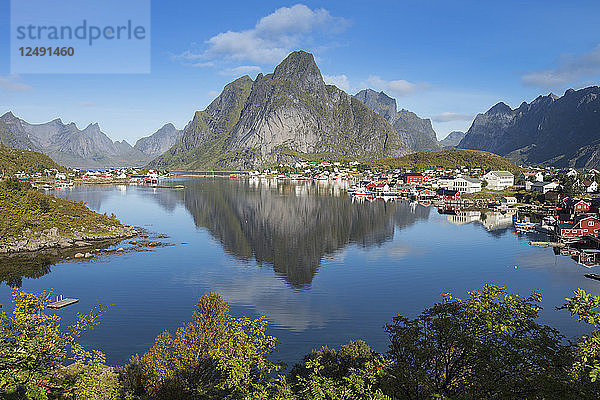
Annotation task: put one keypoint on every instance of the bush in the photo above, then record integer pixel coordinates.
(487, 346)
(213, 356)
(34, 348)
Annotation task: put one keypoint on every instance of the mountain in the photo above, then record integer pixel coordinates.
(417, 133)
(452, 140)
(68, 145)
(290, 114)
(160, 141)
(551, 130)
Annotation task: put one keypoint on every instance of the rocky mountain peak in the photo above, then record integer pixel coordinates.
(8, 116)
(500, 108)
(301, 68)
(562, 131)
(379, 102)
(414, 131)
(279, 117)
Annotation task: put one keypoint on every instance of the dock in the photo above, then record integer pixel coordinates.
(62, 303)
(547, 244)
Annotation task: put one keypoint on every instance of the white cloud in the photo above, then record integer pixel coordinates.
(570, 70)
(341, 81)
(398, 87)
(272, 38)
(11, 83)
(450, 116)
(212, 93)
(241, 70)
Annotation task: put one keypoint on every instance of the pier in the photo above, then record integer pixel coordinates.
(63, 303)
(547, 244)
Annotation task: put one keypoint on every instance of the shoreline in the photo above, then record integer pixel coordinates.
(50, 239)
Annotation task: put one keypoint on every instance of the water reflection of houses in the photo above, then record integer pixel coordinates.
(491, 221)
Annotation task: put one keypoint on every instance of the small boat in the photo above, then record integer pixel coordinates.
(593, 276)
(523, 224)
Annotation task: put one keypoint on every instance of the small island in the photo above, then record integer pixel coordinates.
(34, 221)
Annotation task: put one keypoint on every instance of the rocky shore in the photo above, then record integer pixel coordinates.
(52, 239)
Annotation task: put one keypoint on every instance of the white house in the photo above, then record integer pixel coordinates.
(590, 186)
(543, 187)
(572, 173)
(466, 184)
(445, 182)
(508, 201)
(499, 180)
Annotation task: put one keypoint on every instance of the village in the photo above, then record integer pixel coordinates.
(563, 204)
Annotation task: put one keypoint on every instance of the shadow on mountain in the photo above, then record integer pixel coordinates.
(291, 226)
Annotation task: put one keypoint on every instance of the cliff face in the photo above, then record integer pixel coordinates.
(283, 116)
(559, 131)
(452, 140)
(160, 141)
(417, 133)
(68, 145)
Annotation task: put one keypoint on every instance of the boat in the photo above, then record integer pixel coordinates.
(593, 276)
(524, 224)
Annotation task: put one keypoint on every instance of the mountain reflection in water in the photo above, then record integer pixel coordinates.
(289, 226)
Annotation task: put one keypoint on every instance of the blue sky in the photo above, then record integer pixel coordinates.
(444, 60)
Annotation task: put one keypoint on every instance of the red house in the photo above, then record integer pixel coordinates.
(413, 177)
(584, 225)
(581, 206)
(448, 195)
(425, 193)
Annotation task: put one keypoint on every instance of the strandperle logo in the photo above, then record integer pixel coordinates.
(82, 36)
(85, 31)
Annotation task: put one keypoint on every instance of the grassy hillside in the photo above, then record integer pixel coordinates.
(12, 160)
(23, 208)
(449, 158)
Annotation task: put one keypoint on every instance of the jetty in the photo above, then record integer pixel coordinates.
(547, 244)
(62, 303)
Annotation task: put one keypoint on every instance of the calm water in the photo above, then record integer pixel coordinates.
(322, 268)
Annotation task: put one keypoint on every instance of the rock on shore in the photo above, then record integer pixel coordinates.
(51, 239)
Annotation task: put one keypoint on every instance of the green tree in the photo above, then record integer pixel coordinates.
(487, 346)
(353, 372)
(213, 356)
(585, 307)
(34, 348)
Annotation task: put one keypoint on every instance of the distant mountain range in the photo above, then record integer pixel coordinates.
(87, 148)
(288, 115)
(551, 130)
(417, 133)
(160, 141)
(291, 115)
(452, 140)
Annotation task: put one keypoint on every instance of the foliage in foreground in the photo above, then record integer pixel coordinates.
(487, 346)
(34, 350)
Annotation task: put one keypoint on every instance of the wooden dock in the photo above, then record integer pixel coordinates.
(547, 244)
(62, 303)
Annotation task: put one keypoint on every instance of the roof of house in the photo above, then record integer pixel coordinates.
(469, 179)
(541, 184)
(504, 174)
(413, 174)
(447, 192)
